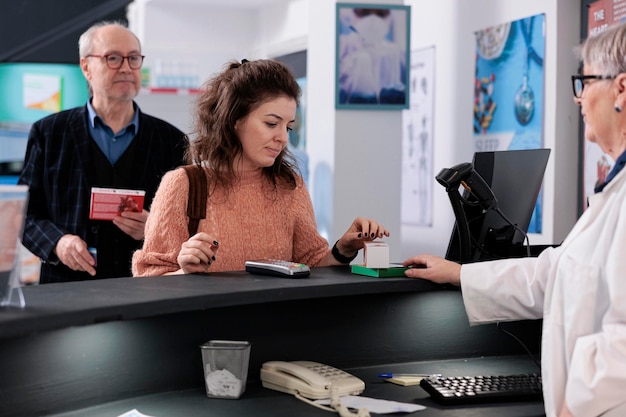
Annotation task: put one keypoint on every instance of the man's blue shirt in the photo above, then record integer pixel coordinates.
(111, 144)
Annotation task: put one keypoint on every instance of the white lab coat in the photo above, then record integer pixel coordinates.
(579, 289)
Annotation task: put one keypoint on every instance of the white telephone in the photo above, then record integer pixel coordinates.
(309, 379)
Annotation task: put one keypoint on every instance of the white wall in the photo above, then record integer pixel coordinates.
(283, 28)
(201, 36)
(193, 32)
(362, 149)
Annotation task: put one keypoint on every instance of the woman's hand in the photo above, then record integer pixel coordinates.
(197, 254)
(360, 231)
(433, 268)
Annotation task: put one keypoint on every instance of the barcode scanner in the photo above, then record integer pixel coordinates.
(476, 185)
(465, 175)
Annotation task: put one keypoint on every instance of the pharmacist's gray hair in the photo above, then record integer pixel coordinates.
(85, 42)
(605, 51)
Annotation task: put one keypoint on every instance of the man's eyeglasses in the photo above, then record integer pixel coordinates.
(115, 61)
(578, 82)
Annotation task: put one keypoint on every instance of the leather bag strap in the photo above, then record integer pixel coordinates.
(196, 206)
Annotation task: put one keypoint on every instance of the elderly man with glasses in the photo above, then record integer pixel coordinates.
(107, 143)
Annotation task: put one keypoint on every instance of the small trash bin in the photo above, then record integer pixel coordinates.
(225, 364)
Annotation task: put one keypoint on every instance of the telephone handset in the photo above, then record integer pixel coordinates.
(309, 379)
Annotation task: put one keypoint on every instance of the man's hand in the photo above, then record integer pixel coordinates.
(72, 251)
(132, 223)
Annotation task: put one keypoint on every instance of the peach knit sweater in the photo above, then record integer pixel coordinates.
(253, 221)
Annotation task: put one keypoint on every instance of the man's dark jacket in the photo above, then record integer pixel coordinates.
(61, 166)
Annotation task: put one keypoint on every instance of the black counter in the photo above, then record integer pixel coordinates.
(89, 302)
(100, 348)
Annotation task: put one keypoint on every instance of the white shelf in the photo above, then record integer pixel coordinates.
(170, 90)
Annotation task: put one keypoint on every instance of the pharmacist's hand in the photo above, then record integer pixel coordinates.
(132, 223)
(360, 231)
(433, 268)
(197, 254)
(72, 251)
(565, 411)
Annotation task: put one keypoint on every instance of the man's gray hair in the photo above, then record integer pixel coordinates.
(85, 42)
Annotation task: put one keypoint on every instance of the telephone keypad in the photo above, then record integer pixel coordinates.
(329, 372)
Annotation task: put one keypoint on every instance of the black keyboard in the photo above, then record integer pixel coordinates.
(483, 389)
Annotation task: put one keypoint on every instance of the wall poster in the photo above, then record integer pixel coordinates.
(372, 48)
(509, 90)
(417, 141)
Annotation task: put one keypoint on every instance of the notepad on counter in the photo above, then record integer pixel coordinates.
(392, 271)
(405, 380)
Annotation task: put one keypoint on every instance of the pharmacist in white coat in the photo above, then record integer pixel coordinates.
(579, 288)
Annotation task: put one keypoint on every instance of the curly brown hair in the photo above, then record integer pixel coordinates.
(231, 96)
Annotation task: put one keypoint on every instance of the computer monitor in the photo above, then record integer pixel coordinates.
(515, 177)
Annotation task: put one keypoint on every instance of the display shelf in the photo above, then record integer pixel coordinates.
(263, 402)
(170, 90)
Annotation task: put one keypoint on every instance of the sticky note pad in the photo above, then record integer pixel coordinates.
(405, 380)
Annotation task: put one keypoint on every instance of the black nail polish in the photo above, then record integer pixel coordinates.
(359, 236)
(215, 243)
(213, 257)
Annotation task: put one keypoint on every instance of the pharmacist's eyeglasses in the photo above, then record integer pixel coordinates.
(115, 61)
(578, 82)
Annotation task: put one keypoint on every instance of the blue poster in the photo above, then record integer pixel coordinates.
(509, 90)
(509, 85)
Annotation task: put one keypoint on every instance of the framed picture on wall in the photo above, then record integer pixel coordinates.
(372, 56)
